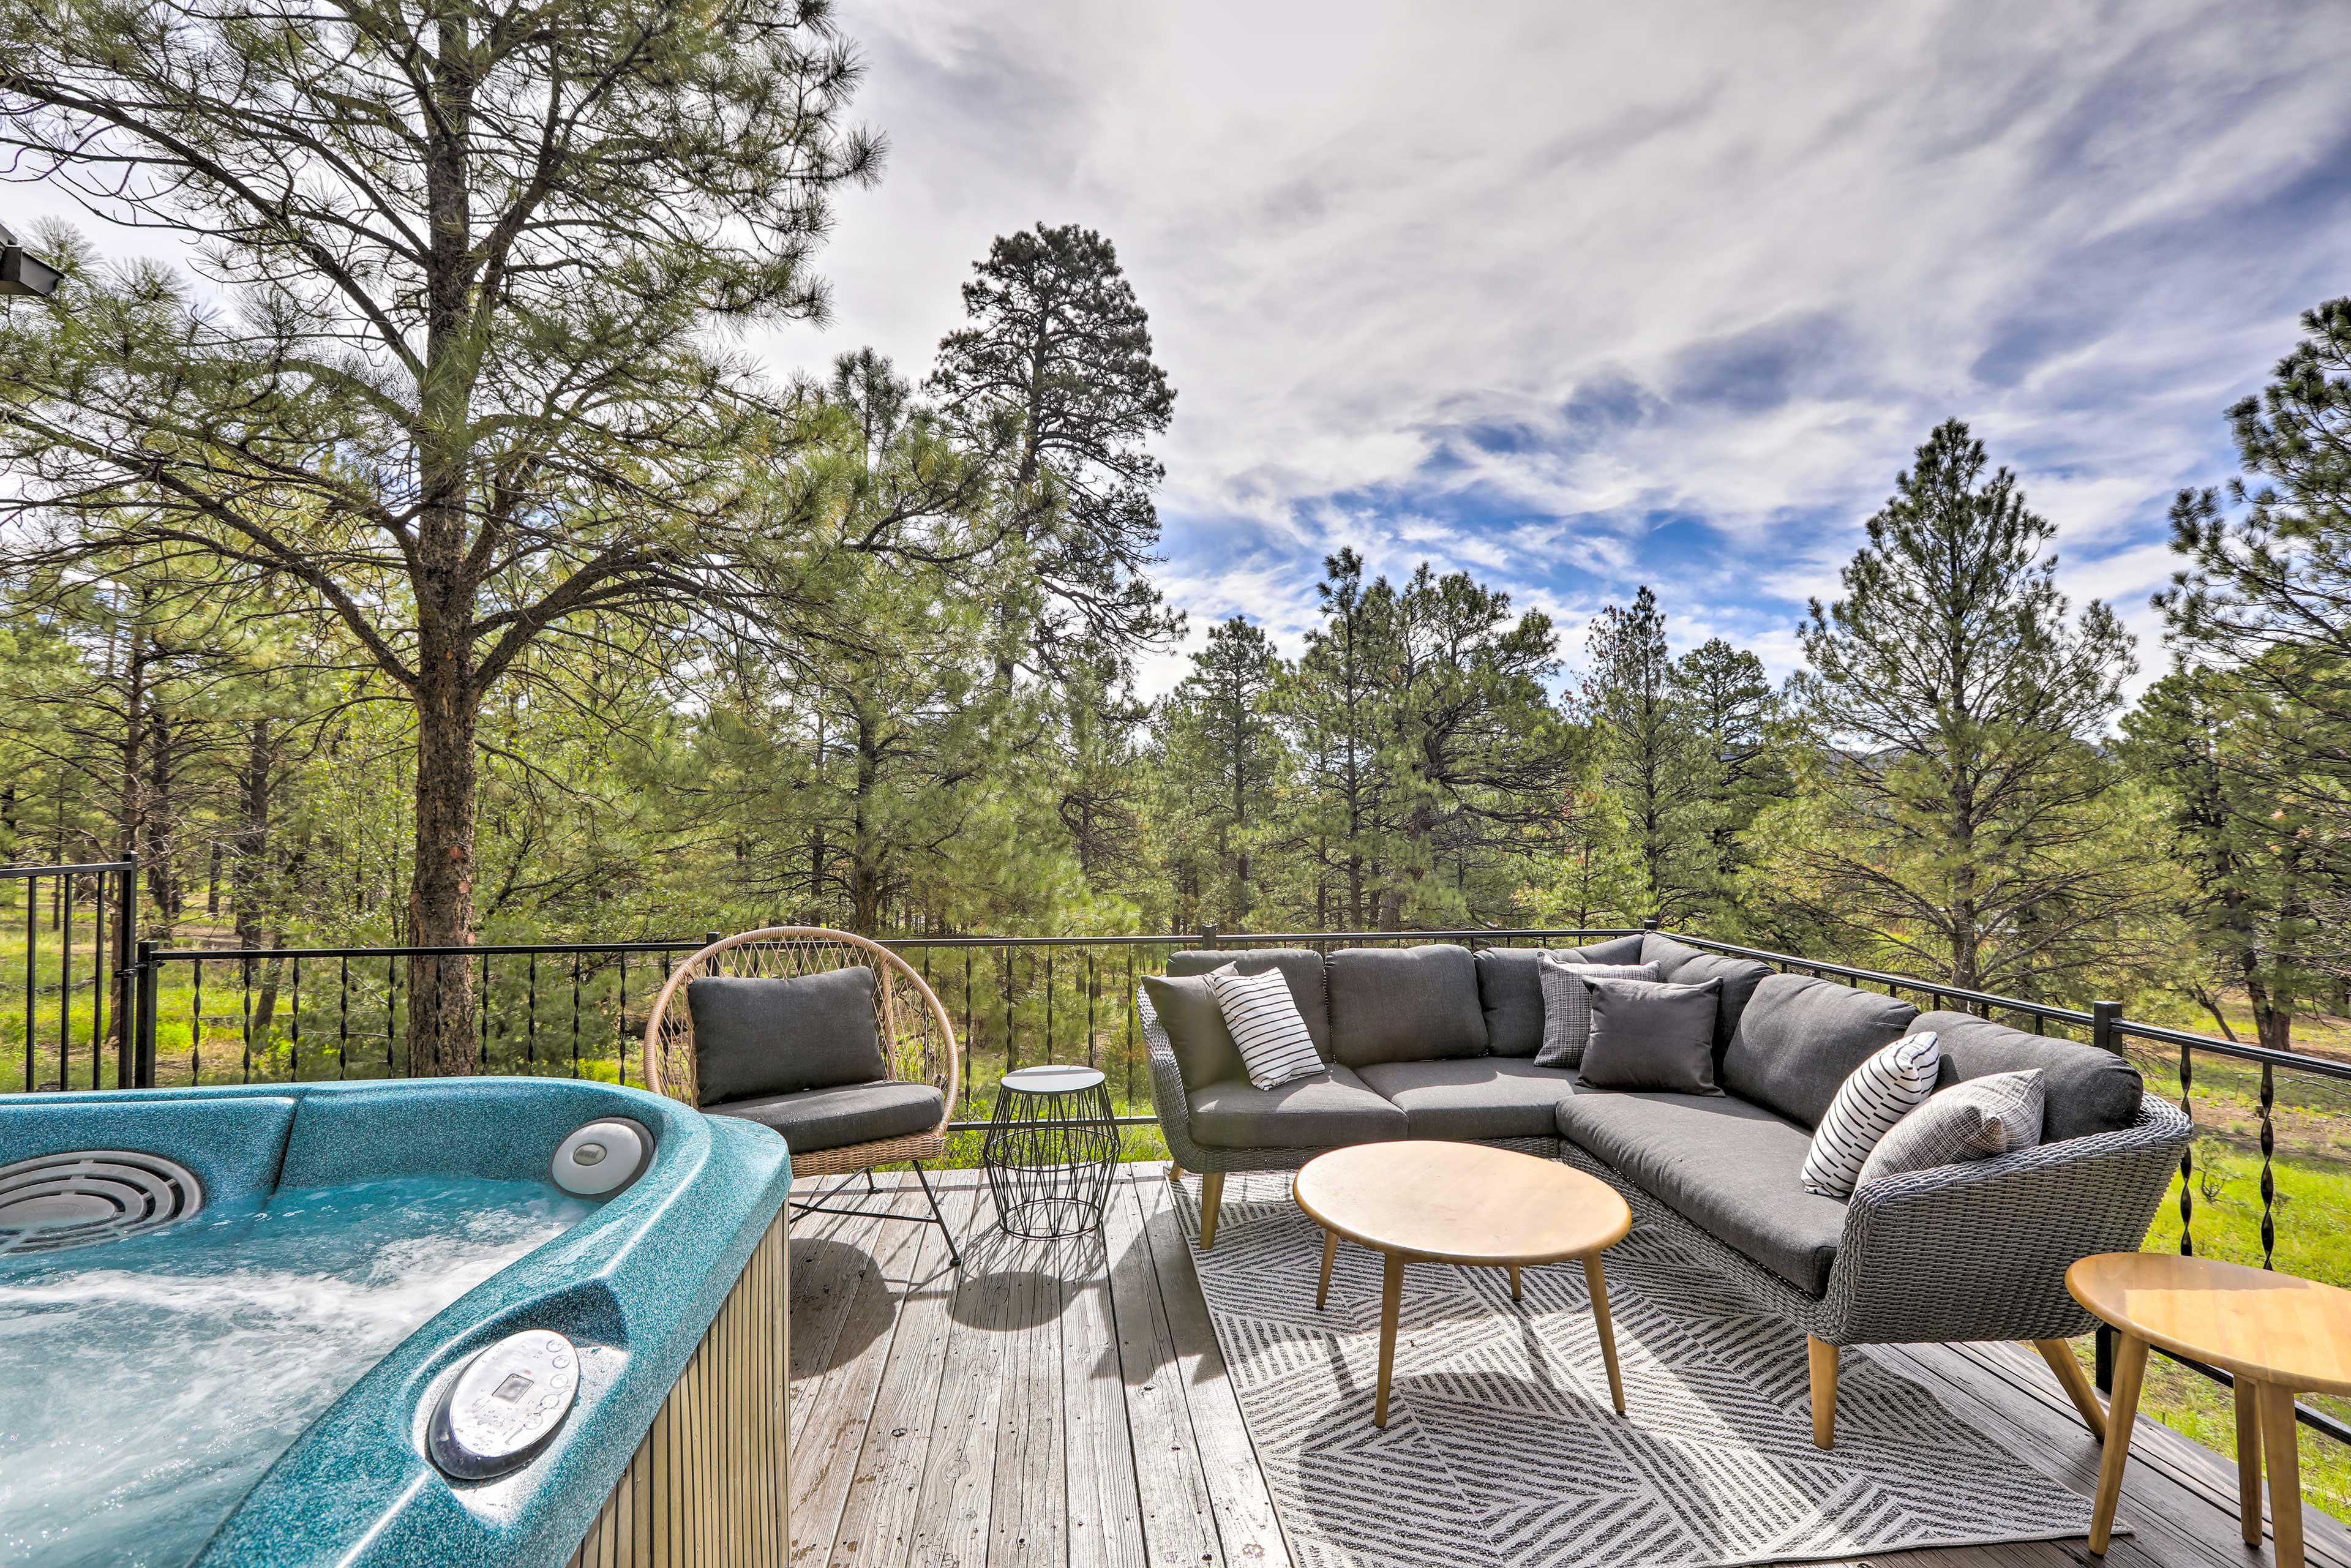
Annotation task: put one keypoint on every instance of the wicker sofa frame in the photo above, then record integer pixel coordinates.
(1973, 1251)
(918, 1044)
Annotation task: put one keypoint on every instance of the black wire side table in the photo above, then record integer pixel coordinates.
(1053, 1144)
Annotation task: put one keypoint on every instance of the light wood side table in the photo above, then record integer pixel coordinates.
(1420, 1201)
(2276, 1335)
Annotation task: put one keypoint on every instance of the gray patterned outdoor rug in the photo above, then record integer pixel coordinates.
(1501, 1447)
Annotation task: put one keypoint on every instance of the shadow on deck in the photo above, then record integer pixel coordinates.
(1065, 1403)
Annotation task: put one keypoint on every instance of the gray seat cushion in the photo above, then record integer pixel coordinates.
(817, 1119)
(1302, 967)
(755, 1035)
(1473, 1098)
(1509, 991)
(1668, 955)
(1405, 1004)
(1727, 1167)
(2083, 1089)
(1739, 977)
(1325, 1110)
(1801, 1038)
(1194, 1023)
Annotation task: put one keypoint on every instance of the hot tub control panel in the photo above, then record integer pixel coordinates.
(503, 1408)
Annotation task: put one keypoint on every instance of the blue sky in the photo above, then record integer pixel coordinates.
(1584, 297)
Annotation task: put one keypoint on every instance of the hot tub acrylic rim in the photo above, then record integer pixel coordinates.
(643, 1276)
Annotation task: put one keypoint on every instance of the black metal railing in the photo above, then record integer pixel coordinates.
(73, 1015)
(202, 1016)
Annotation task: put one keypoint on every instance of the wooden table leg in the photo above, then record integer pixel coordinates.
(2282, 1450)
(1391, 1298)
(1329, 1251)
(2122, 1407)
(1514, 1281)
(2248, 1460)
(1598, 1284)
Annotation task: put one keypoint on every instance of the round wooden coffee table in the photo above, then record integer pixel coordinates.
(2278, 1336)
(1421, 1202)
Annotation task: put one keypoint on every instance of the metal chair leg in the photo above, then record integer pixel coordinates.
(954, 1256)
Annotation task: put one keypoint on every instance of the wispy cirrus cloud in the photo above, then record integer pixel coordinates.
(1579, 299)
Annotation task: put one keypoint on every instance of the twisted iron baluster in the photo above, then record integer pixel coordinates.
(2269, 1181)
(2187, 1158)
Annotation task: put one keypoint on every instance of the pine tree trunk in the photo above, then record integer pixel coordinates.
(441, 1032)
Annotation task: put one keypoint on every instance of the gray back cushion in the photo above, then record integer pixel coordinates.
(1205, 1052)
(758, 1036)
(1614, 950)
(1302, 967)
(1406, 1004)
(1510, 989)
(1800, 1038)
(1739, 977)
(2083, 1089)
(1668, 955)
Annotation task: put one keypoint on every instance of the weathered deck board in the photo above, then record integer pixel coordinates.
(1066, 1406)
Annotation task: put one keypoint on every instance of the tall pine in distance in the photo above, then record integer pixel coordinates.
(1956, 710)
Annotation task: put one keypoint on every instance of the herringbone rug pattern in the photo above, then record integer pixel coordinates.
(1501, 1446)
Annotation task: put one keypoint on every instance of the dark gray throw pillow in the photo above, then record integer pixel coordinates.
(1739, 977)
(1510, 989)
(758, 1036)
(1205, 1052)
(1651, 1034)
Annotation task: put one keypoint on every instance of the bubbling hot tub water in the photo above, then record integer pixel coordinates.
(146, 1383)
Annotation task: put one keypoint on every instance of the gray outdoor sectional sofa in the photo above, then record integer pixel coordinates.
(1434, 1042)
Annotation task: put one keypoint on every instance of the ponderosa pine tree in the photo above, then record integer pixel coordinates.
(1738, 764)
(1963, 709)
(2264, 600)
(1054, 375)
(1222, 757)
(1650, 757)
(452, 375)
(1334, 704)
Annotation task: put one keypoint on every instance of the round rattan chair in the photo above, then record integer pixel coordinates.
(918, 1044)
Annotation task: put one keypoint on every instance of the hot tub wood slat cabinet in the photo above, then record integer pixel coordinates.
(1153, 1464)
(707, 1487)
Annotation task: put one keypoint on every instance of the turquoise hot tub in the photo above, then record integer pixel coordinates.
(258, 1380)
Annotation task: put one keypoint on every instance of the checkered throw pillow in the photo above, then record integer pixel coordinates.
(1567, 1006)
(1995, 1115)
(1872, 1098)
(1263, 1018)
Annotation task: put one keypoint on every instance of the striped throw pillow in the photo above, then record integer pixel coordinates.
(1567, 1006)
(1875, 1096)
(1263, 1018)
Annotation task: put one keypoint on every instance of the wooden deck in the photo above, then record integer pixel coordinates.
(1065, 1403)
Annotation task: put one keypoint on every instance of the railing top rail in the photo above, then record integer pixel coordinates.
(91, 866)
(1172, 939)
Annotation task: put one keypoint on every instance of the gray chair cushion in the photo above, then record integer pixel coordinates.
(1800, 1039)
(1473, 1098)
(1325, 1110)
(1511, 997)
(1668, 955)
(834, 1118)
(1405, 1004)
(1739, 977)
(2083, 1089)
(1196, 1029)
(1647, 1034)
(1725, 1165)
(753, 1035)
(1302, 967)
(1613, 951)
